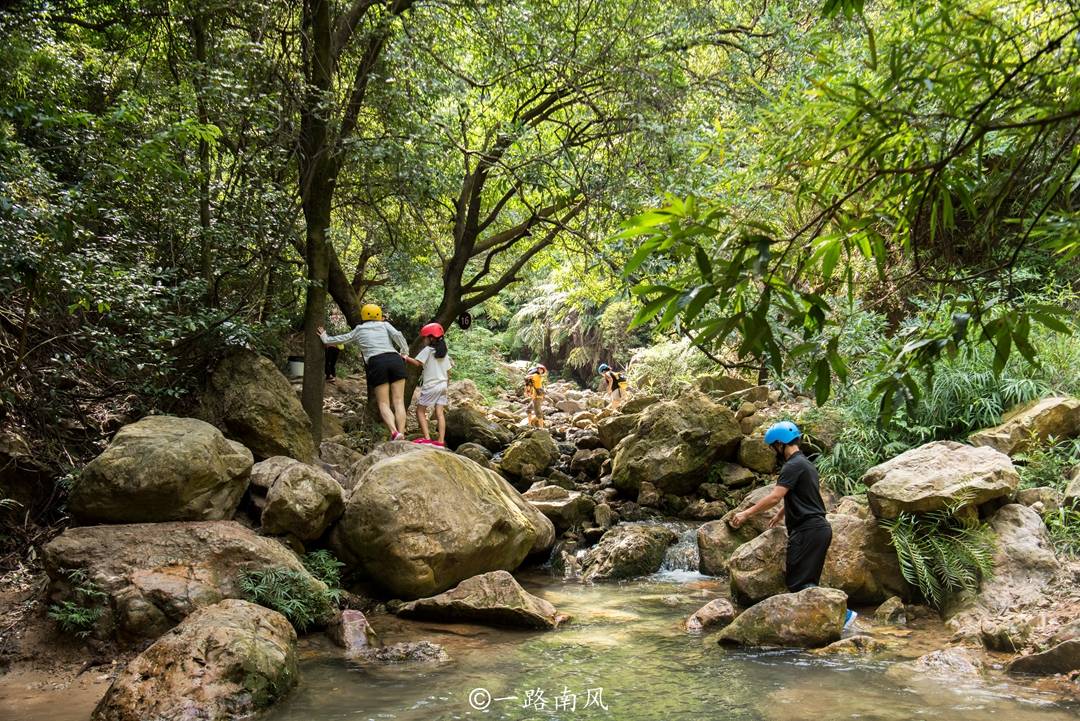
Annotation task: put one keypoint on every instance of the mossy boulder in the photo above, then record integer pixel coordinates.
(421, 522)
(811, 618)
(254, 403)
(163, 468)
(627, 551)
(674, 444)
(1057, 417)
(224, 661)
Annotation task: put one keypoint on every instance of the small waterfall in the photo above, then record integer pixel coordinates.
(683, 554)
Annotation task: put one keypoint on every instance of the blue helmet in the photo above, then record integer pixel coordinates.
(603, 368)
(784, 431)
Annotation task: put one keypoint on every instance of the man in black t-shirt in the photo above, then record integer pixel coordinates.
(809, 533)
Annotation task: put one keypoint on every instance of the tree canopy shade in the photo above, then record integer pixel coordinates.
(936, 156)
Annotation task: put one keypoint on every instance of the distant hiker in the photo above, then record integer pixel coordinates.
(435, 382)
(330, 364)
(534, 391)
(809, 533)
(384, 351)
(614, 384)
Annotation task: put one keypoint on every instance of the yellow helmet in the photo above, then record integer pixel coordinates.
(371, 312)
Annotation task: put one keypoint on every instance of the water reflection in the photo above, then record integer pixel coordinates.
(627, 639)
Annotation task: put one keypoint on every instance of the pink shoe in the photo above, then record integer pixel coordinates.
(397, 436)
(422, 441)
(440, 444)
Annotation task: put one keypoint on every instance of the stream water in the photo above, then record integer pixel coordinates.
(626, 657)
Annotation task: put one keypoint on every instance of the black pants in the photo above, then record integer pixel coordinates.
(806, 549)
(332, 353)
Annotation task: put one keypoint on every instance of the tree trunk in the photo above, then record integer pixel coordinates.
(198, 30)
(314, 314)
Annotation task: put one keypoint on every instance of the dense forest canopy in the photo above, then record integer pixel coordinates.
(850, 199)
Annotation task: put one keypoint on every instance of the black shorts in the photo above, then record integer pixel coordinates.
(384, 368)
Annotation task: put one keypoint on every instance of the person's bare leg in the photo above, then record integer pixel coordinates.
(440, 416)
(538, 411)
(397, 399)
(382, 398)
(422, 419)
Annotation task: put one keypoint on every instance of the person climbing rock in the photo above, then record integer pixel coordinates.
(435, 382)
(614, 384)
(803, 512)
(384, 351)
(534, 391)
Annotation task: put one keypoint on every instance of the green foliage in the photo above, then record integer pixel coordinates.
(1047, 463)
(942, 554)
(665, 366)
(78, 615)
(477, 354)
(935, 158)
(1064, 527)
(325, 566)
(290, 593)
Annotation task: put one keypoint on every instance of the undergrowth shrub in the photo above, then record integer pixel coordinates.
(1064, 527)
(290, 593)
(78, 615)
(1047, 463)
(941, 553)
(324, 566)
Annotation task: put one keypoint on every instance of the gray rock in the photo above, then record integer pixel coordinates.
(1056, 417)
(153, 575)
(718, 612)
(627, 551)
(936, 475)
(163, 468)
(301, 500)
(674, 445)
(423, 521)
(254, 403)
(811, 618)
(224, 661)
(492, 598)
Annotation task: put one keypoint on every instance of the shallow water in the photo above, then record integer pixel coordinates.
(626, 650)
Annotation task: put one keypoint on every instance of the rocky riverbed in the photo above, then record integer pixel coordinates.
(595, 551)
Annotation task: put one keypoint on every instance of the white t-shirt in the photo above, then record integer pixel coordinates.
(436, 370)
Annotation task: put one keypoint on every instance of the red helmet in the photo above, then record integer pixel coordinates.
(435, 330)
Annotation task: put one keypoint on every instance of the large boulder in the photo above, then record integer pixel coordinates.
(467, 423)
(811, 618)
(937, 475)
(301, 499)
(614, 428)
(163, 468)
(253, 402)
(1023, 565)
(340, 456)
(537, 450)
(717, 540)
(420, 522)
(566, 509)
(674, 445)
(493, 598)
(1036, 421)
(861, 562)
(755, 455)
(722, 385)
(627, 552)
(153, 575)
(224, 661)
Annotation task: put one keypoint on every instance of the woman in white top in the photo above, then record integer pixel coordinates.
(384, 351)
(435, 382)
